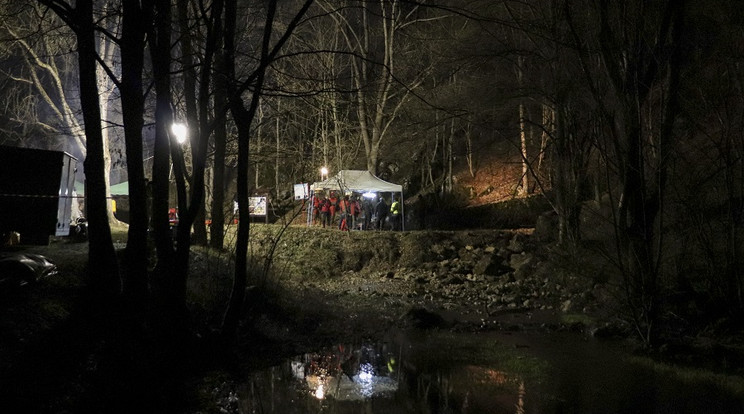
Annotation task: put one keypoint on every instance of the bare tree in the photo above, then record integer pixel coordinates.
(46, 66)
(244, 117)
(641, 60)
(49, 68)
(370, 32)
(102, 261)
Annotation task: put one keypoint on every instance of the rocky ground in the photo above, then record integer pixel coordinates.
(361, 282)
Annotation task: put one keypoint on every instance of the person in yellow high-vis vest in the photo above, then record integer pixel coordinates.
(395, 215)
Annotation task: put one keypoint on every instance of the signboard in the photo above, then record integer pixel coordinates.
(257, 206)
(301, 191)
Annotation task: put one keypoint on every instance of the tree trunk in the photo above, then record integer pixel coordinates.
(132, 102)
(103, 270)
(191, 210)
(105, 88)
(160, 47)
(469, 150)
(525, 180)
(243, 123)
(217, 230)
(243, 118)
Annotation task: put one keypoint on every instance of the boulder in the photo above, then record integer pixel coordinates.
(491, 266)
(546, 227)
(522, 264)
(423, 318)
(516, 244)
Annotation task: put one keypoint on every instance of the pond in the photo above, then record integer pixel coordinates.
(444, 372)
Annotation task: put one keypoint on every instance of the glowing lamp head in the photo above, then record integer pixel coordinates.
(180, 132)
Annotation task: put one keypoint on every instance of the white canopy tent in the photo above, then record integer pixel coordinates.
(359, 181)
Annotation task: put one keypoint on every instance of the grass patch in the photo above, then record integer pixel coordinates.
(732, 384)
(577, 318)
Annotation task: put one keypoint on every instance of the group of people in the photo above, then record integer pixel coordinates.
(355, 213)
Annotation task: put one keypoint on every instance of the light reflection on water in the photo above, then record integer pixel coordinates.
(347, 374)
(406, 376)
(382, 377)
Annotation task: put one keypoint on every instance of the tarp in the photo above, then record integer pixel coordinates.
(120, 189)
(360, 181)
(116, 190)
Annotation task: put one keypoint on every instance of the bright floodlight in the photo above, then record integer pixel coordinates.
(324, 171)
(180, 131)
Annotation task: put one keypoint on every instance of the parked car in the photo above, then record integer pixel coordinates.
(20, 269)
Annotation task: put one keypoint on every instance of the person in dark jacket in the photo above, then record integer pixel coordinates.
(369, 209)
(381, 212)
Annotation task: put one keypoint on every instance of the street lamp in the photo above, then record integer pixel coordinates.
(323, 173)
(180, 131)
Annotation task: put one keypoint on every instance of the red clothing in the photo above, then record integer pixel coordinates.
(343, 206)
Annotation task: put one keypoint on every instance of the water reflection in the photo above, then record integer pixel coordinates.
(444, 374)
(345, 373)
(383, 377)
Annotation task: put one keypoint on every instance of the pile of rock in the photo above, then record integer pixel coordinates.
(506, 274)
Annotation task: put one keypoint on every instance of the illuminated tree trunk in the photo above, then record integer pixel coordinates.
(525, 180)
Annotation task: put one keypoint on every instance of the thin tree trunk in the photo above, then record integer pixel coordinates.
(469, 148)
(217, 230)
(525, 181)
(277, 134)
(243, 118)
(192, 210)
(449, 181)
(548, 127)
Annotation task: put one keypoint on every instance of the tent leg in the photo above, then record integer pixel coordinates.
(402, 213)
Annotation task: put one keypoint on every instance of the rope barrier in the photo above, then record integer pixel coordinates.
(39, 196)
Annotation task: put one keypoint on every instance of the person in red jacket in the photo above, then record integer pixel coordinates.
(344, 209)
(354, 210)
(334, 207)
(325, 211)
(316, 208)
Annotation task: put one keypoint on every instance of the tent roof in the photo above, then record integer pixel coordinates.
(356, 180)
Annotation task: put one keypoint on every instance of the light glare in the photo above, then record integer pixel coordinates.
(320, 392)
(180, 131)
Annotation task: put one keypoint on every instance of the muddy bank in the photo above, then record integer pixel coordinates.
(462, 280)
